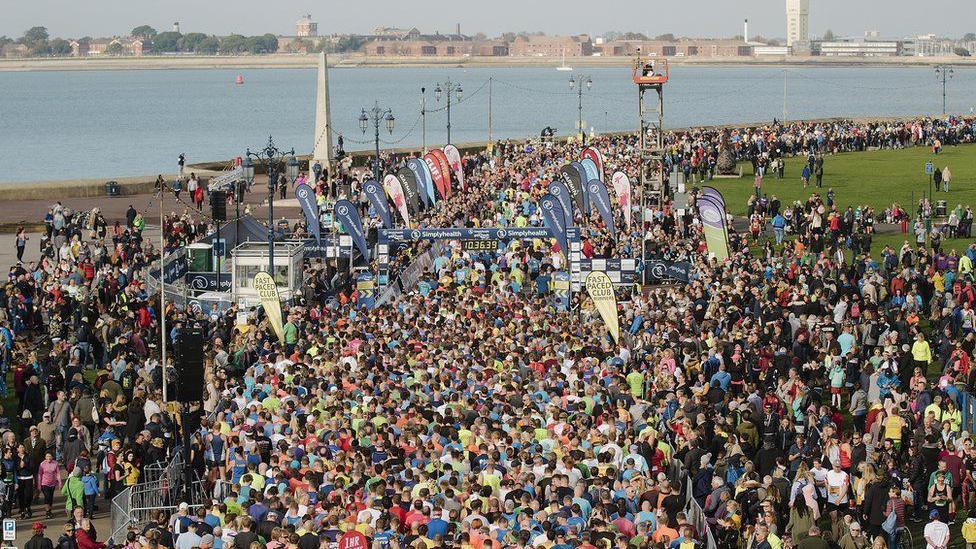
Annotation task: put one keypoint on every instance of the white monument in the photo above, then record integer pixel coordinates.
(323, 130)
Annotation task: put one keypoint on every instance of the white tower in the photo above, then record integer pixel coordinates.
(797, 22)
(323, 130)
(745, 31)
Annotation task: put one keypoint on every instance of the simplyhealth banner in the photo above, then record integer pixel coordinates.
(555, 220)
(377, 198)
(598, 194)
(558, 189)
(417, 166)
(391, 236)
(347, 214)
(306, 199)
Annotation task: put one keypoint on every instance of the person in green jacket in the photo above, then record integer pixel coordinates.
(73, 491)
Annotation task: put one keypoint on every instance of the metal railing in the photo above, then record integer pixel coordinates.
(160, 489)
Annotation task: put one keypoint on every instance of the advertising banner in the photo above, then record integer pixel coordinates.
(596, 156)
(365, 290)
(268, 294)
(306, 199)
(589, 166)
(347, 214)
(621, 187)
(571, 177)
(394, 189)
(445, 170)
(395, 236)
(409, 181)
(713, 224)
(560, 287)
(555, 220)
(419, 169)
(713, 193)
(600, 288)
(597, 192)
(377, 199)
(663, 271)
(454, 161)
(581, 175)
(436, 174)
(559, 190)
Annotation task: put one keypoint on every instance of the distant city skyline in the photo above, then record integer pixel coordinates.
(704, 18)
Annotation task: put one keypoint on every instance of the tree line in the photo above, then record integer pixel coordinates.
(40, 44)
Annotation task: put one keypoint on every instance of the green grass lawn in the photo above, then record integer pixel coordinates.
(874, 178)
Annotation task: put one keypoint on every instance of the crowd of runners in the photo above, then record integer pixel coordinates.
(791, 397)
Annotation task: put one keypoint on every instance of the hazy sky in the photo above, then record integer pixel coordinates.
(892, 18)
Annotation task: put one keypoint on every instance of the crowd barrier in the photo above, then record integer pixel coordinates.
(160, 488)
(410, 276)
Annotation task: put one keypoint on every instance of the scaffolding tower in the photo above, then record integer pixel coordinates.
(650, 76)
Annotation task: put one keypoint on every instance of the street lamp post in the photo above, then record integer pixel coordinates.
(274, 158)
(376, 115)
(449, 88)
(588, 82)
(943, 74)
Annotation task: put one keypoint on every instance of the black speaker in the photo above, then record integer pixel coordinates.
(189, 364)
(218, 205)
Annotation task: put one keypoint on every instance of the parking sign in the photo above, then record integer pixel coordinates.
(9, 530)
(929, 168)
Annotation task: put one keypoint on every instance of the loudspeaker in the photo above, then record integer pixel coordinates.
(218, 205)
(189, 364)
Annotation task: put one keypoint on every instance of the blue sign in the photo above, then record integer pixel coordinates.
(929, 168)
(390, 236)
(307, 200)
(174, 268)
(366, 290)
(560, 287)
(207, 282)
(347, 215)
(555, 220)
(597, 193)
(662, 271)
(377, 198)
(559, 190)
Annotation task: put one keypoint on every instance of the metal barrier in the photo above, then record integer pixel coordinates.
(697, 518)
(410, 276)
(136, 505)
(120, 512)
(967, 409)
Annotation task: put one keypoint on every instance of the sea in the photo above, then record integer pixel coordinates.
(106, 124)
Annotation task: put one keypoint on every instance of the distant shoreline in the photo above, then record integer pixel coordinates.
(299, 61)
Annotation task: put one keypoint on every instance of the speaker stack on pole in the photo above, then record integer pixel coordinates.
(190, 380)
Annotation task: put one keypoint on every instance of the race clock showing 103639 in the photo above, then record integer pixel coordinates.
(479, 245)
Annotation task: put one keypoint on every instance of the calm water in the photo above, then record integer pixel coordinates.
(63, 125)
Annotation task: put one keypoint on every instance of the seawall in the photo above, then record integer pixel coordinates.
(135, 185)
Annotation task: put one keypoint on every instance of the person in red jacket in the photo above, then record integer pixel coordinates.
(85, 536)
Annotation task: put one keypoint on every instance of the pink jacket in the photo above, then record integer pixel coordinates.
(49, 474)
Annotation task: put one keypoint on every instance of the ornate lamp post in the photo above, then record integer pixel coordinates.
(588, 82)
(376, 115)
(450, 89)
(276, 160)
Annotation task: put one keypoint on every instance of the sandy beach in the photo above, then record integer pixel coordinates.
(300, 61)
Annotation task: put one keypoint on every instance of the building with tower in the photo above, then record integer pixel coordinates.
(306, 28)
